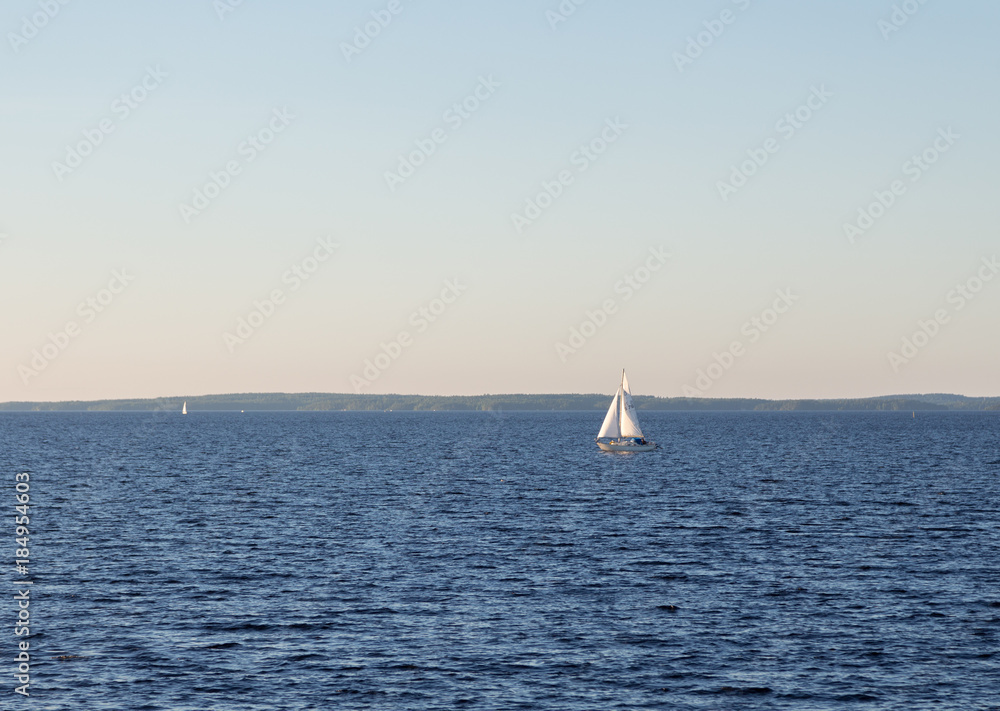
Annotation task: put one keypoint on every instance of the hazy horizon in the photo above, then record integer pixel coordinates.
(731, 199)
(525, 394)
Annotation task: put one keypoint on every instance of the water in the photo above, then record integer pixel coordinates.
(471, 560)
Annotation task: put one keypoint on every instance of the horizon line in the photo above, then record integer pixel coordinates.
(481, 395)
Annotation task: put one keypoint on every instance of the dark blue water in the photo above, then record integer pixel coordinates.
(449, 561)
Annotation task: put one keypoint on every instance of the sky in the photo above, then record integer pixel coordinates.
(728, 198)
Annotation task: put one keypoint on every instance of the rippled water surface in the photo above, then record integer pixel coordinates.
(473, 560)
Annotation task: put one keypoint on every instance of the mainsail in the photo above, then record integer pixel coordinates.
(629, 417)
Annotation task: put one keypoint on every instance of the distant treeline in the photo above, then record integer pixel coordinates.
(337, 401)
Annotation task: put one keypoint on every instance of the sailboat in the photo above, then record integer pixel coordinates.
(620, 431)
(184, 408)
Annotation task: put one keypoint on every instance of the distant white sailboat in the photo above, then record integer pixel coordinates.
(621, 431)
(184, 408)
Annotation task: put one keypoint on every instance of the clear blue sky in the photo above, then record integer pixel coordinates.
(616, 74)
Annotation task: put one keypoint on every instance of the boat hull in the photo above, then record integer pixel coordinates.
(626, 447)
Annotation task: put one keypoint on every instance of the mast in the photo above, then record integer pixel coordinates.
(621, 405)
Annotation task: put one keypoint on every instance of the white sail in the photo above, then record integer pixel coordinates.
(629, 417)
(184, 409)
(610, 426)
